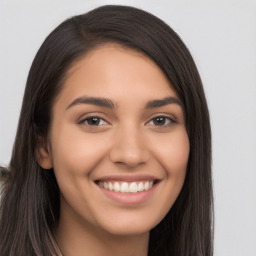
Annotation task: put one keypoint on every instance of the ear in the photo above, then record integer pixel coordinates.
(43, 153)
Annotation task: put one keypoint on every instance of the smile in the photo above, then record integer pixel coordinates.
(126, 187)
(128, 190)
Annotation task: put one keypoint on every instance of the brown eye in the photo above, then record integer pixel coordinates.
(93, 121)
(161, 121)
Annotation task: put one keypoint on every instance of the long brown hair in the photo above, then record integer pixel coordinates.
(29, 209)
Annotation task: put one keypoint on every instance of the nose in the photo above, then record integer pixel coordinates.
(129, 148)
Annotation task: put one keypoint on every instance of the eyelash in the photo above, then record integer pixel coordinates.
(171, 121)
(90, 118)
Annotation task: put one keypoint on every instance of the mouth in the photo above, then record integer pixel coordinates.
(129, 190)
(127, 187)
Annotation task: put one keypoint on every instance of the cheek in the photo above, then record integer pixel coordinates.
(173, 156)
(75, 152)
(172, 153)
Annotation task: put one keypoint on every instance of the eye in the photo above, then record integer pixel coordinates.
(93, 121)
(161, 121)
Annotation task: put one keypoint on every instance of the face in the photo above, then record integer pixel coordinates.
(117, 142)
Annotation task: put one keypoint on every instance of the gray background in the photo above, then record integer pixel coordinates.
(221, 36)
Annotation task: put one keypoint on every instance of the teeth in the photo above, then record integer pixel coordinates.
(146, 186)
(116, 187)
(110, 186)
(105, 185)
(140, 187)
(125, 187)
(133, 187)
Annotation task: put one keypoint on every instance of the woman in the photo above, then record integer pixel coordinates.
(113, 147)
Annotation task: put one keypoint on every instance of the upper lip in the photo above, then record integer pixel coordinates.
(128, 178)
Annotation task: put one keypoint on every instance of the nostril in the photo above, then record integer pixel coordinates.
(131, 158)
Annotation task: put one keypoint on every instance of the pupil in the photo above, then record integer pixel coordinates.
(93, 121)
(159, 121)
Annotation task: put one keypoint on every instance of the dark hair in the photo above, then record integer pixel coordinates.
(29, 207)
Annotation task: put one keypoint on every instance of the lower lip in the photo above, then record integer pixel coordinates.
(129, 198)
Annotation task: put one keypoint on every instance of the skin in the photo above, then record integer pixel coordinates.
(127, 141)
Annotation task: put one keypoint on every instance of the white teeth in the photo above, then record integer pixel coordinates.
(146, 186)
(105, 184)
(110, 186)
(125, 187)
(116, 187)
(140, 186)
(133, 187)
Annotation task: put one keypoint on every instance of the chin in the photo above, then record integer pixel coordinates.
(121, 231)
(129, 227)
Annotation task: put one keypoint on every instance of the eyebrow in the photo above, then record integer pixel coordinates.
(104, 102)
(163, 102)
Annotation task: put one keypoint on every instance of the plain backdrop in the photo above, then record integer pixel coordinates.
(221, 36)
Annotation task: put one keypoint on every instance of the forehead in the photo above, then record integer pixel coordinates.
(112, 70)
